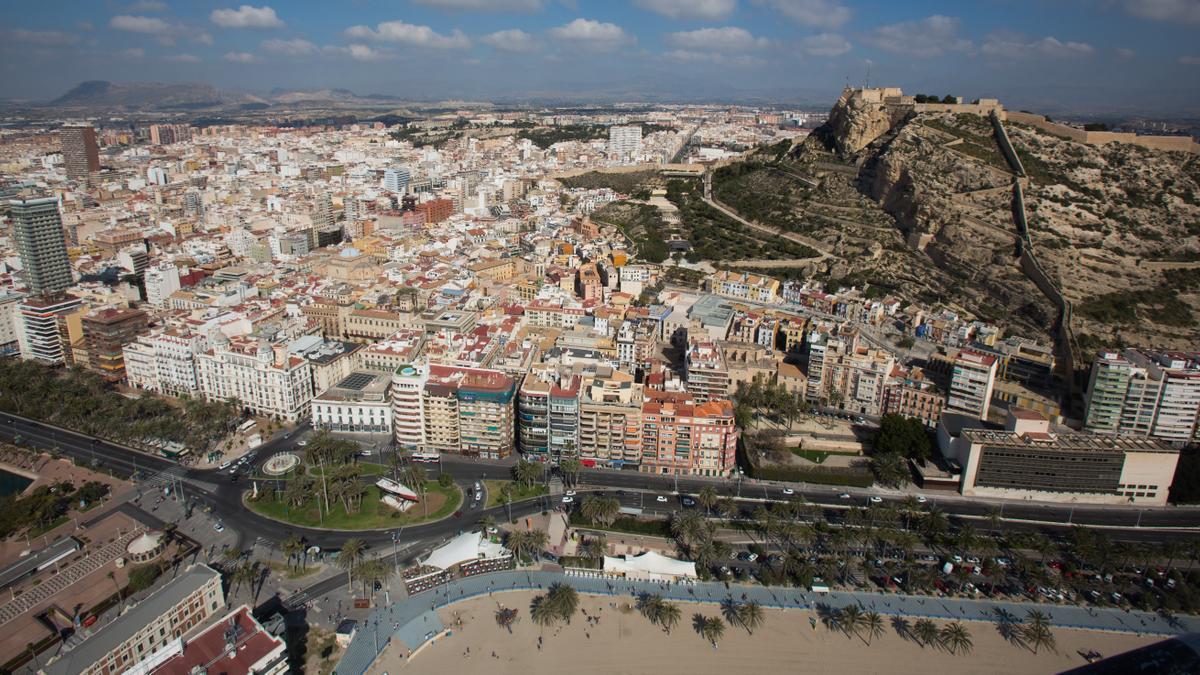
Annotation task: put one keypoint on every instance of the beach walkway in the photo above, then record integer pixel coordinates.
(414, 620)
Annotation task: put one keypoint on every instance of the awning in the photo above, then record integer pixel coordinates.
(650, 563)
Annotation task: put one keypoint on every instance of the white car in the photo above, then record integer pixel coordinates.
(921, 499)
(844, 495)
(302, 443)
(570, 493)
(876, 500)
(789, 491)
(567, 499)
(661, 499)
(219, 527)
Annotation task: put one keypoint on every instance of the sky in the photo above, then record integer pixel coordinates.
(1056, 54)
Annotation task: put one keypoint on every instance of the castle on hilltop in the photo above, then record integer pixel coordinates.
(896, 102)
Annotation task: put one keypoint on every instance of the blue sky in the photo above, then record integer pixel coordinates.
(1063, 54)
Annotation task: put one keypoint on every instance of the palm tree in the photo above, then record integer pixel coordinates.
(417, 476)
(542, 611)
(650, 605)
(113, 578)
(601, 510)
(506, 617)
(537, 540)
(669, 615)
(505, 497)
(927, 633)
(564, 600)
(872, 625)
(751, 616)
(731, 610)
(714, 629)
(570, 470)
(594, 547)
(350, 557)
(956, 638)
(850, 617)
(294, 548)
(726, 507)
(1036, 631)
(706, 498)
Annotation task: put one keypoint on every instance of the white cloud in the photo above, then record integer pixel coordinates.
(1190, 60)
(246, 16)
(410, 34)
(359, 52)
(727, 39)
(689, 9)
(485, 5)
(514, 40)
(140, 24)
(184, 58)
(689, 56)
(41, 37)
(1174, 11)
(85, 25)
(816, 13)
(1125, 54)
(240, 57)
(165, 33)
(133, 53)
(147, 6)
(932, 36)
(203, 38)
(1015, 46)
(591, 34)
(824, 44)
(296, 47)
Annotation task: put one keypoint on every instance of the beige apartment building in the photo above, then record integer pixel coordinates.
(610, 412)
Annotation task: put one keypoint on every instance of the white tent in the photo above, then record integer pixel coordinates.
(650, 564)
(465, 547)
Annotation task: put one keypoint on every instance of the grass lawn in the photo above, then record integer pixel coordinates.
(519, 494)
(373, 515)
(814, 456)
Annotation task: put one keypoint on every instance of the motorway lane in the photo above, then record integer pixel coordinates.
(212, 487)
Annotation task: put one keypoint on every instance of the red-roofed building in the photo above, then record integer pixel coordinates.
(234, 645)
(681, 437)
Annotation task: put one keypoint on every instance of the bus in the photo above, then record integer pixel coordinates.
(247, 426)
(432, 457)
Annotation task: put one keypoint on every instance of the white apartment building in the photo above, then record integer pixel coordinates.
(357, 404)
(161, 281)
(408, 420)
(262, 377)
(1145, 394)
(972, 379)
(625, 141)
(11, 323)
(43, 335)
(164, 362)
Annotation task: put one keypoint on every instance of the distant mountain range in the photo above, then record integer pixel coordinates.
(159, 96)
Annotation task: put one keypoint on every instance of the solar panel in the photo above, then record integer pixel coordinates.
(356, 381)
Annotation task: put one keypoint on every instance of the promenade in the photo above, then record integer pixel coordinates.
(414, 620)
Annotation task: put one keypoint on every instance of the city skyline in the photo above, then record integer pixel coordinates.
(1088, 55)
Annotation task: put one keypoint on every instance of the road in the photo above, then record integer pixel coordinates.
(212, 487)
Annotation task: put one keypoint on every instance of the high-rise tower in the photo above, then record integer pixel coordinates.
(38, 229)
(80, 153)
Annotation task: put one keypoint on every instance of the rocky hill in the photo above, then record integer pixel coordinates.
(1116, 227)
(148, 96)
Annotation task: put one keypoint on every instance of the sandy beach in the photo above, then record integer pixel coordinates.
(627, 643)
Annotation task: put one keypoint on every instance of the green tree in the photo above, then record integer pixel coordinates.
(956, 638)
(1036, 631)
(350, 557)
(707, 498)
(751, 616)
(927, 633)
(905, 436)
(872, 625)
(600, 510)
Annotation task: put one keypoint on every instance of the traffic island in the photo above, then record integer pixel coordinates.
(367, 513)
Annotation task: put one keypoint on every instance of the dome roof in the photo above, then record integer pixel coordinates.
(147, 543)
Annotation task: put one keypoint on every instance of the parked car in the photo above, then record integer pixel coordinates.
(661, 499)
(567, 499)
(218, 527)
